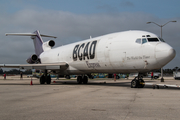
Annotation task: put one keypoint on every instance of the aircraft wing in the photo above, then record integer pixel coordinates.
(48, 66)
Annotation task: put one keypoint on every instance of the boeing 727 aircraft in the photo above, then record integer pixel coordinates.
(122, 52)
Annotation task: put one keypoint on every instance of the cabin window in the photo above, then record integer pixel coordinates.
(144, 40)
(153, 40)
(138, 41)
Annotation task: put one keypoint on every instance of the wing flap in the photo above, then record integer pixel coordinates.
(51, 66)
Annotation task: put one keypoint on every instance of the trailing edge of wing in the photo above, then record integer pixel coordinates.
(9, 65)
(51, 66)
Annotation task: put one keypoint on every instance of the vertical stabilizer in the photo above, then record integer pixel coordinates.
(38, 42)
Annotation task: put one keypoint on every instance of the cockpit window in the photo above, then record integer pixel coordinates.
(144, 40)
(138, 41)
(153, 40)
(161, 40)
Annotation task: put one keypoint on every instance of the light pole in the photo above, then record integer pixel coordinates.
(162, 79)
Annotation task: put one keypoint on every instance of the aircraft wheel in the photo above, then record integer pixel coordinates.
(85, 80)
(141, 83)
(48, 79)
(155, 77)
(42, 79)
(134, 83)
(68, 77)
(79, 79)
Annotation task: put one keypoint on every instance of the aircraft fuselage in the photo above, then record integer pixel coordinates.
(123, 52)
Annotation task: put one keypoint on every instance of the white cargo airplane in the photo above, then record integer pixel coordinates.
(122, 52)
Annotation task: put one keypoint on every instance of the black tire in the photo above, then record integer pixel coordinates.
(68, 77)
(155, 77)
(48, 79)
(42, 79)
(134, 83)
(79, 79)
(85, 80)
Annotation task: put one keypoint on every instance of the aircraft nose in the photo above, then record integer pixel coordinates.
(172, 53)
(164, 53)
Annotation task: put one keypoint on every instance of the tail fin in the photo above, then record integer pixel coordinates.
(37, 43)
(36, 36)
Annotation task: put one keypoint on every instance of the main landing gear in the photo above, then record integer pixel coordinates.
(45, 78)
(137, 82)
(82, 79)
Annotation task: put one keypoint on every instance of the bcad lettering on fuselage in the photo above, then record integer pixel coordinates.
(84, 51)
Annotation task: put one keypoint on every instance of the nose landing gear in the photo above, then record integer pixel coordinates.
(137, 83)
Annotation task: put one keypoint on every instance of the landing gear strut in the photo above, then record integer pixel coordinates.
(45, 78)
(82, 79)
(137, 83)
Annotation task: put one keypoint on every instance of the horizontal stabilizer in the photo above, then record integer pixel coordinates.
(28, 34)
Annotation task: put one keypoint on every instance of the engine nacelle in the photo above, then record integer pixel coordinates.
(32, 59)
(48, 45)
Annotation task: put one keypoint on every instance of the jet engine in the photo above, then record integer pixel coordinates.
(48, 45)
(32, 59)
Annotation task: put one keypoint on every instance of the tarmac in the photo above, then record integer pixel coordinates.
(101, 99)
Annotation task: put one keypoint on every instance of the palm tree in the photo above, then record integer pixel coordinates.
(176, 68)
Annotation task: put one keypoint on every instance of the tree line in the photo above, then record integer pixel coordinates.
(15, 71)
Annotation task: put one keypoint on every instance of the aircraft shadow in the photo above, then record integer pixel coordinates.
(115, 84)
(94, 83)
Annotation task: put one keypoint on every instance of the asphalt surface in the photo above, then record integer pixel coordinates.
(101, 99)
